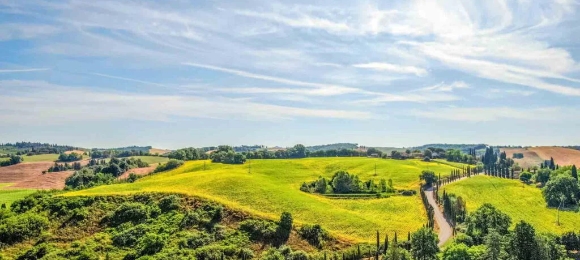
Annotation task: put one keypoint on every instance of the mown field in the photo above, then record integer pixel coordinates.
(40, 158)
(8, 196)
(273, 187)
(518, 200)
(152, 159)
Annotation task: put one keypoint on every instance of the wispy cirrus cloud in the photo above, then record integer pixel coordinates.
(382, 66)
(22, 70)
(46, 105)
(487, 114)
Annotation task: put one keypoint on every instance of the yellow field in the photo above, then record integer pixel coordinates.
(273, 187)
(518, 200)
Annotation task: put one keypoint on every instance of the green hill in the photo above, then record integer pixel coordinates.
(273, 186)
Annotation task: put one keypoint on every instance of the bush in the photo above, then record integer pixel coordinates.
(36, 252)
(132, 177)
(24, 204)
(272, 254)
(299, 255)
(190, 219)
(284, 227)
(20, 227)
(314, 234)
(525, 177)
(169, 203)
(259, 230)
(129, 212)
(408, 192)
(196, 240)
(170, 165)
(151, 244)
(130, 236)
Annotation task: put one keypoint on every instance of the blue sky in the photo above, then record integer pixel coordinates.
(380, 73)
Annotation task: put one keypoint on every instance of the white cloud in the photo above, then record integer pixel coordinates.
(13, 31)
(39, 102)
(484, 114)
(328, 88)
(22, 70)
(381, 66)
(442, 87)
(300, 20)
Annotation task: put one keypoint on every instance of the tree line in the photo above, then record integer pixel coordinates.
(344, 183)
(12, 160)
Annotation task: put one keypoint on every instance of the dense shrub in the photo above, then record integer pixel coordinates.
(170, 165)
(24, 204)
(284, 228)
(195, 240)
(215, 252)
(129, 237)
(151, 243)
(129, 212)
(37, 252)
(314, 234)
(169, 203)
(86, 178)
(14, 159)
(408, 192)
(190, 219)
(259, 230)
(71, 157)
(19, 227)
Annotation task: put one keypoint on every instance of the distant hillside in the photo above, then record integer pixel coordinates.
(463, 147)
(337, 146)
(128, 148)
(34, 148)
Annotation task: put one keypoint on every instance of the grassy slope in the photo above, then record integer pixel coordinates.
(8, 196)
(273, 187)
(152, 159)
(520, 201)
(41, 158)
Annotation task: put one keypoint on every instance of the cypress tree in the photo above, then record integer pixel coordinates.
(386, 244)
(574, 172)
(378, 243)
(552, 165)
(395, 239)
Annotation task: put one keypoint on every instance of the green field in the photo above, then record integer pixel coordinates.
(273, 187)
(520, 201)
(40, 158)
(9, 196)
(152, 159)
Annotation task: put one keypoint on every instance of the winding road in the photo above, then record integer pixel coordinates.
(445, 229)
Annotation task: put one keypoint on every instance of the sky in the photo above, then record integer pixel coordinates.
(182, 73)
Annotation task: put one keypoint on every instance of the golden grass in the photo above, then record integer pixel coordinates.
(518, 200)
(272, 187)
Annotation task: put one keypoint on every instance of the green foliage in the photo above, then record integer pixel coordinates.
(284, 228)
(343, 182)
(523, 245)
(151, 244)
(462, 238)
(169, 203)
(259, 230)
(16, 228)
(196, 240)
(71, 157)
(487, 218)
(424, 244)
(13, 159)
(429, 177)
(525, 177)
(37, 252)
(226, 154)
(456, 252)
(170, 165)
(272, 254)
(561, 189)
(543, 175)
(314, 234)
(129, 212)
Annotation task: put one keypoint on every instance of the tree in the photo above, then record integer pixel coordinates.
(485, 218)
(561, 189)
(342, 182)
(493, 243)
(543, 175)
(299, 151)
(429, 177)
(523, 244)
(428, 154)
(574, 172)
(424, 244)
(525, 177)
(456, 252)
(284, 227)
